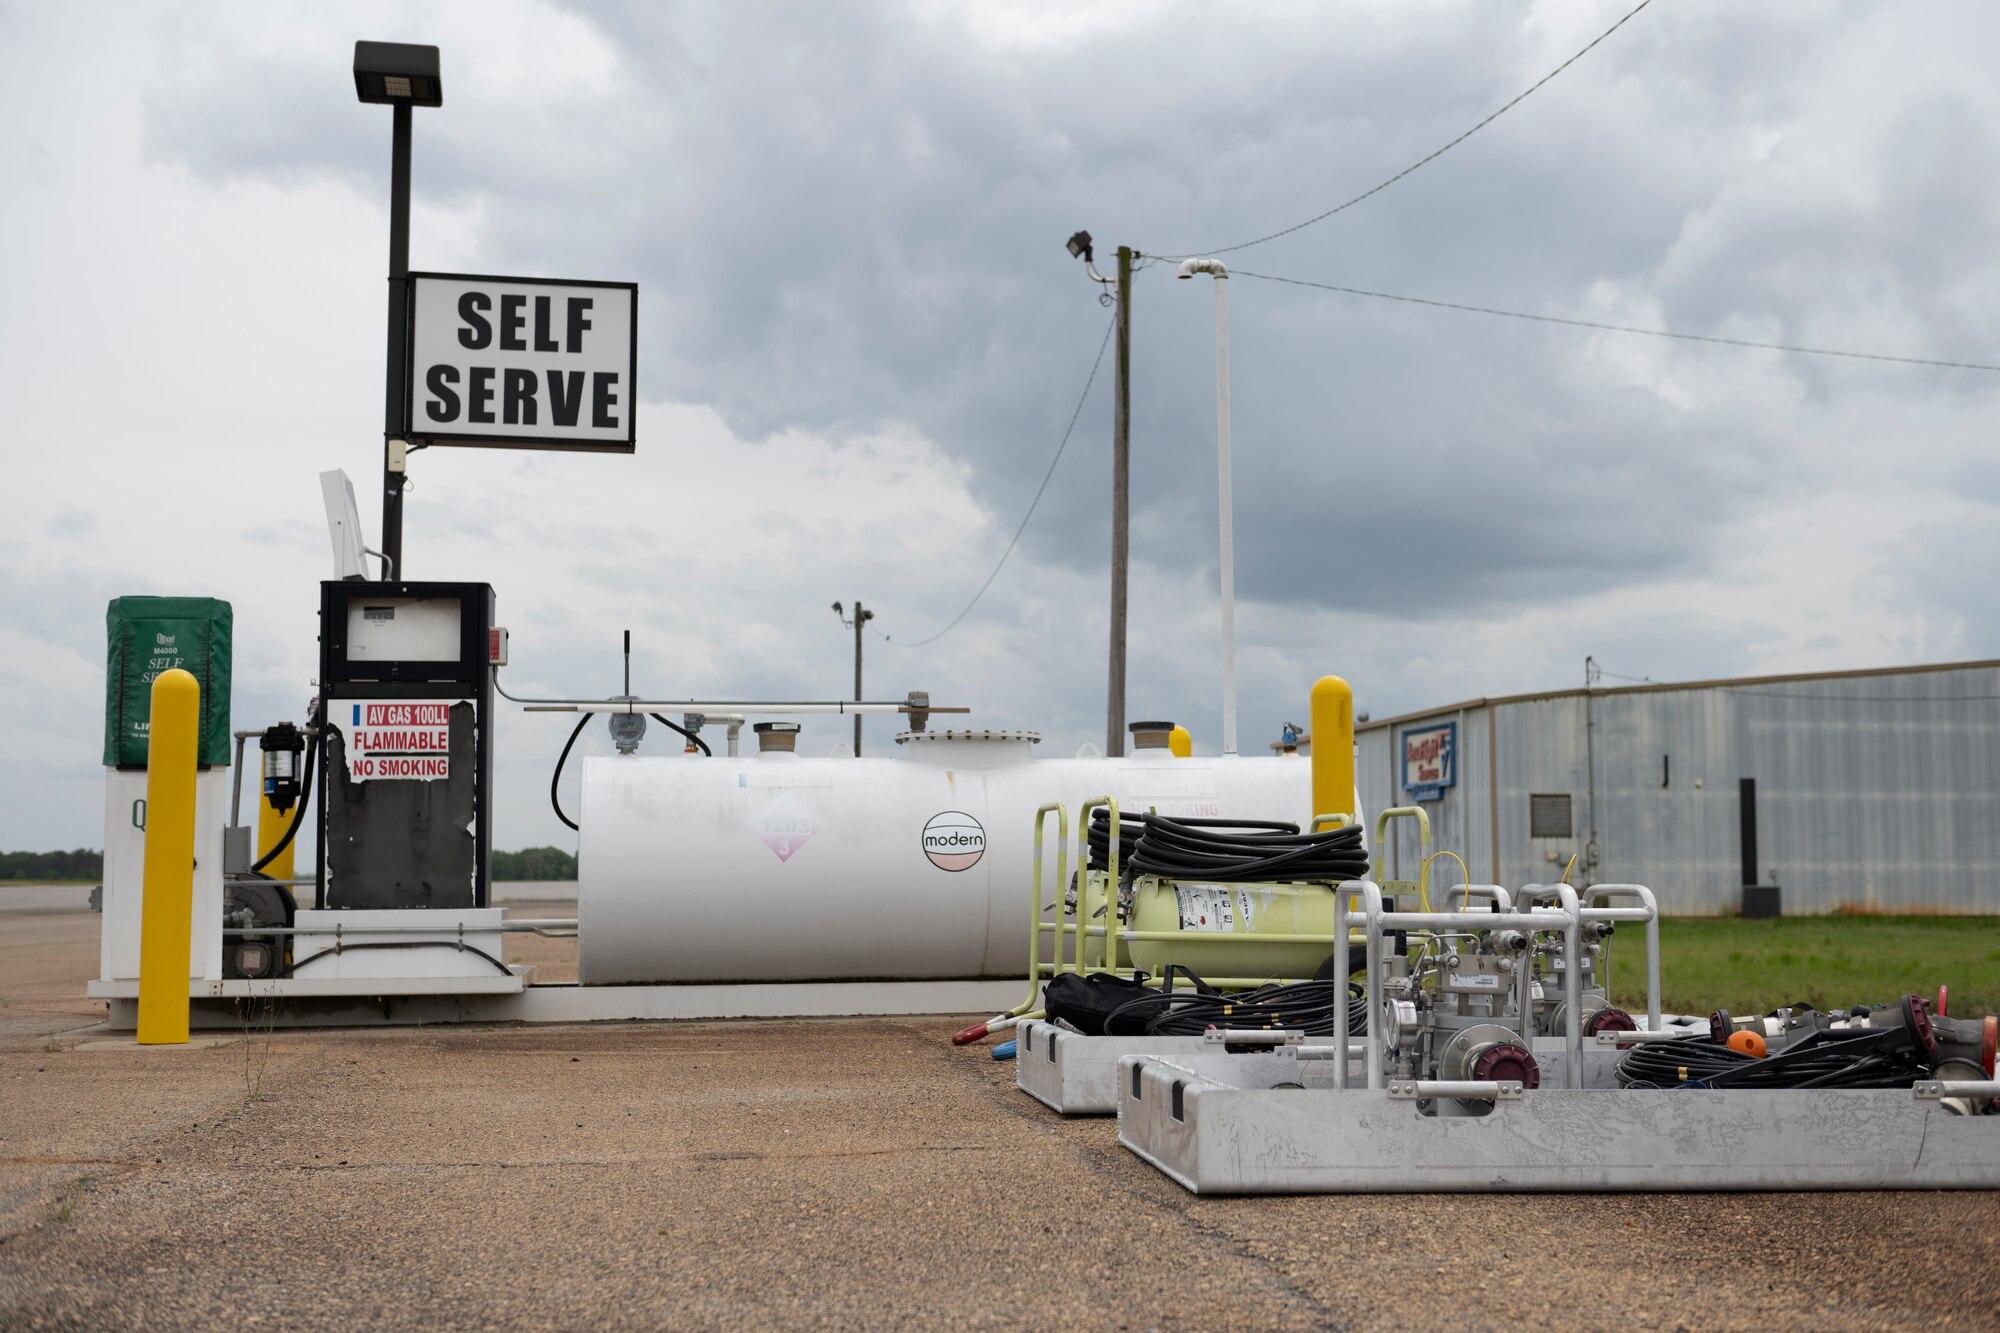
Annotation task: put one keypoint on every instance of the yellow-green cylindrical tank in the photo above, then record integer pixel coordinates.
(1222, 923)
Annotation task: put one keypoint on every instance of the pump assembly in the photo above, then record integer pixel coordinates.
(1469, 1078)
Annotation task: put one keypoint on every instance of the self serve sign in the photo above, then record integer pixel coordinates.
(523, 362)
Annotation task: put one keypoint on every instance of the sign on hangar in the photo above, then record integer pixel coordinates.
(530, 363)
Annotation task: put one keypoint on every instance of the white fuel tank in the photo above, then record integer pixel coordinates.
(783, 868)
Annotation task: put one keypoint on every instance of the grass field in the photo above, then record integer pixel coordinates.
(1827, 962)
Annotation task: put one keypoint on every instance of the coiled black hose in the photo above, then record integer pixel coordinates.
(1862, 1059)
(1098, 837)
(1234, 850)
(1312, 1007)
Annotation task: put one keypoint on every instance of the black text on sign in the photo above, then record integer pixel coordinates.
(520, 362)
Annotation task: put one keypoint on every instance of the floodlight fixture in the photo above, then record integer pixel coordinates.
(1079, 246)
(390, 73)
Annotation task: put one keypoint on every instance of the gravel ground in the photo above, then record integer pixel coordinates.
(840, 1173)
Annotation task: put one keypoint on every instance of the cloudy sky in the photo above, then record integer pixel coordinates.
(861, 339)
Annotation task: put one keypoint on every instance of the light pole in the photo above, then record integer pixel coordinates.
(861, 617)
(402, 76)
(1216, 269)
(1121, 480)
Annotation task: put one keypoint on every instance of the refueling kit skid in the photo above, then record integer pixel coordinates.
(1480, 1049)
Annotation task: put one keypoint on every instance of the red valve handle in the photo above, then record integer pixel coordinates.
(966, 1036)
(1944, 993)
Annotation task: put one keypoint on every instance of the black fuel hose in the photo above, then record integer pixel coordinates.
(554, 798)
(1242, 851)
(305, 794)
(292, 968)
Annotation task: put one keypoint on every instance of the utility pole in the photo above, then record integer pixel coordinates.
(1080, 247)
(1121, 485)
(861, 617)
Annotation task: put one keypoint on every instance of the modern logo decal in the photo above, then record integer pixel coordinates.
(954, 841)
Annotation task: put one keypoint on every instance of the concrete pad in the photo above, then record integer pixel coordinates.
(845, 1173)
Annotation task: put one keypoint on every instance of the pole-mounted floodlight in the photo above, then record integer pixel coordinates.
(862, 615)
(1079, 248)
(399, 75)
(392, 72)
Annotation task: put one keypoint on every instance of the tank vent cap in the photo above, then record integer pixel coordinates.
(776, 737)
(1151, 735)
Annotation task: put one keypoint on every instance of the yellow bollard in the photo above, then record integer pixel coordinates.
(1332, 747)
(167, 905)
(1180, 742)
(271, 825)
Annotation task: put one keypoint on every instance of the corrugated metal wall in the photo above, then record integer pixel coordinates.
(1873, 792)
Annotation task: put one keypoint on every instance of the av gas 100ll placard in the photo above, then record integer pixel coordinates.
(532, 363)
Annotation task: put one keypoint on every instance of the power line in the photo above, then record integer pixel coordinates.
(1620, 328)
(1067, 432)
(1424, 161)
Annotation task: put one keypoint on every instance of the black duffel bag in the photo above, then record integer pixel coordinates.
(1102, 1004)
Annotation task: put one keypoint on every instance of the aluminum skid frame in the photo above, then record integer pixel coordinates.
(1076, 1074)
(1219, 1125)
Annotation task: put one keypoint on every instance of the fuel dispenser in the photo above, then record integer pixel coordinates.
(405, 756)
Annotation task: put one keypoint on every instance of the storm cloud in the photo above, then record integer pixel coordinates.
(861, 339)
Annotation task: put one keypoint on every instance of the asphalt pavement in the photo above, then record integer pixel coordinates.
(850, 1173)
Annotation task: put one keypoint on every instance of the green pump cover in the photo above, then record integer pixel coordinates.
(148, 635)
